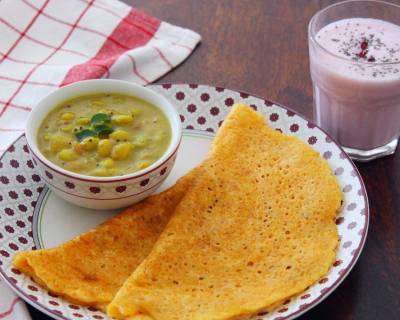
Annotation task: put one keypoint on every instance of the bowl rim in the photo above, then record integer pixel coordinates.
(138, 90)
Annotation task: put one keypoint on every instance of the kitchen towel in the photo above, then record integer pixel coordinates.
(49, 43)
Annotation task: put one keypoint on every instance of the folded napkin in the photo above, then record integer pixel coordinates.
(50, 43)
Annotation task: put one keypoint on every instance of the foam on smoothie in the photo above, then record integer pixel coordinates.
(364, 40)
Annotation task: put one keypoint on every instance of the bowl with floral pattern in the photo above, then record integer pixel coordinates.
(103, 192)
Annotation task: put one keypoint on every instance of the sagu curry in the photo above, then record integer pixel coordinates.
(104, 135)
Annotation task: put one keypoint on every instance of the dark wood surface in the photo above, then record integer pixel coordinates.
(260, 46)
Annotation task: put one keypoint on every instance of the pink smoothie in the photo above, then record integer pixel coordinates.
(356, 77)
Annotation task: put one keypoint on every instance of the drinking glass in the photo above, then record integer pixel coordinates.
(359, 109)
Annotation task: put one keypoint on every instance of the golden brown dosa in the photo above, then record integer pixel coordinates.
(91, 268)
(257, 226)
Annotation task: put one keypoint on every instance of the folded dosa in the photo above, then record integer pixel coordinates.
(90, 268)
(256, 227)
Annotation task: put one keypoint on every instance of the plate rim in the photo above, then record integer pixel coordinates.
(321, 297)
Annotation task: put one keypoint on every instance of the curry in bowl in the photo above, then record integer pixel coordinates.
(104, 135)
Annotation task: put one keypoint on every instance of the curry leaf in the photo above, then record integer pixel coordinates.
(100, 118)
(103, 130)
(85, 134)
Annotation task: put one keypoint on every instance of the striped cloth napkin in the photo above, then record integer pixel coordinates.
(49, 43)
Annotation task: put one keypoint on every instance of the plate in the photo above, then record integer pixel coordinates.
(32, 217)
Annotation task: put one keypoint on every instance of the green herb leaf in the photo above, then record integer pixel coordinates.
(100, 118)
(103, 130)
(85, 134)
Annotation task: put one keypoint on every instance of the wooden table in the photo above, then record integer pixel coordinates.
(260, 46)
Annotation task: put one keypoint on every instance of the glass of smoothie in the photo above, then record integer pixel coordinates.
(354, 51)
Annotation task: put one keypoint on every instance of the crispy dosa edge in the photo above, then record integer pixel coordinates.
(82, 262)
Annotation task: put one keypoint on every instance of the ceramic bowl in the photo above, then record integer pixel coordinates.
(103, 192)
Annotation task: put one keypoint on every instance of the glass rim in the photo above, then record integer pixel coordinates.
(312, 34)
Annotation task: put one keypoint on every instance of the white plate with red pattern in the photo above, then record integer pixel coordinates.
(32, 217)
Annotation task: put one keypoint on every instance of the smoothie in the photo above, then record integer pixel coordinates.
(355, 68)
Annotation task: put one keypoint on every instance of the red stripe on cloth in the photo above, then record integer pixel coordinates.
(135, 70)
(20, 107)
(115, 14)
(46, 59)
(37, 83)
(22, 34)
(141, 23)
(17, 60)
(129, 31)
(44, 44)
(163, 57)
(78, 27)
(16, 106)
(11, 309)
(37, 62)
